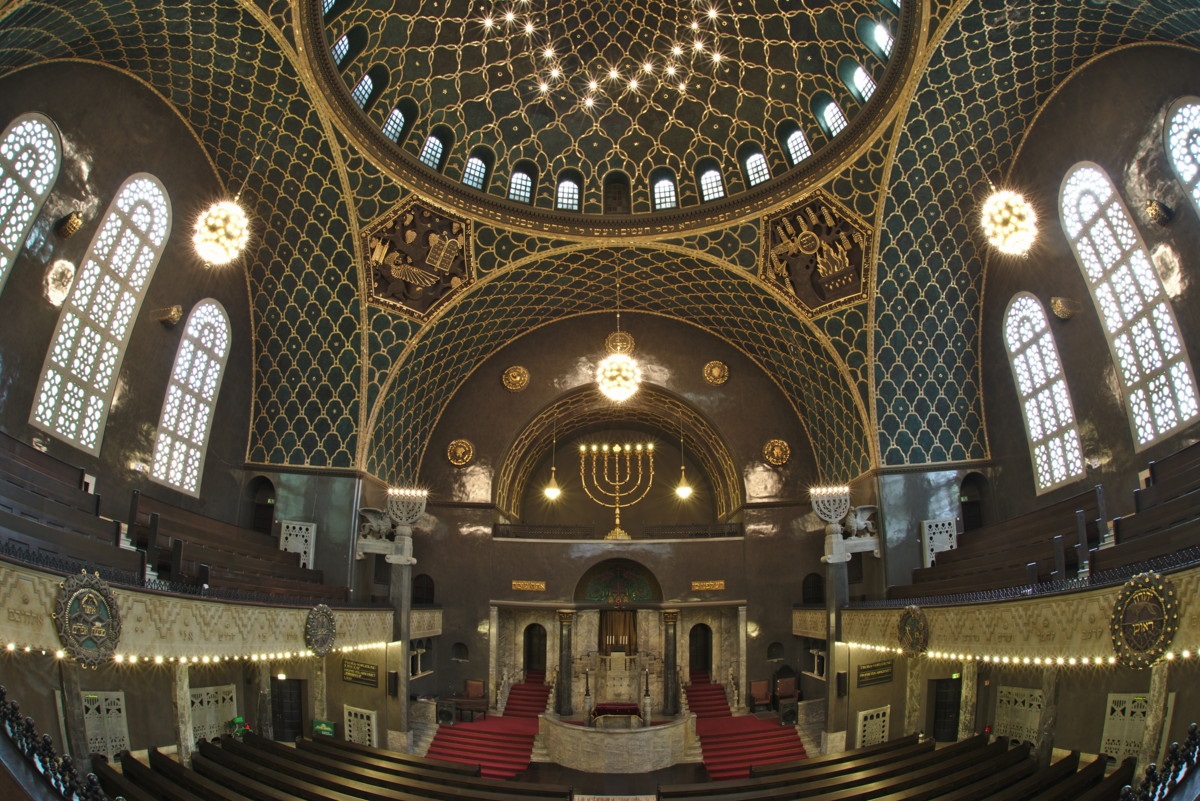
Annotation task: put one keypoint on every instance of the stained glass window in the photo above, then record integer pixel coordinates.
(756, 169)
(431, 153)
(711, 186)
(1045, 402)
(520, 188)
(475, 173)
(191, 397)
(30, 154)
(664, 194)
(798, 147)
(1160, 391)
(568, 195)
(79, 375)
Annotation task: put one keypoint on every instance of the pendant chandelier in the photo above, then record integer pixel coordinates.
(618, 375)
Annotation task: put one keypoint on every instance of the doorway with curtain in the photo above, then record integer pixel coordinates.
(618, 631)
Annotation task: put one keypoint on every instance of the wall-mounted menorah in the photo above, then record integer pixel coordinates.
(615, 476)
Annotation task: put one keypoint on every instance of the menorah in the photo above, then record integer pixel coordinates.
(616, 476)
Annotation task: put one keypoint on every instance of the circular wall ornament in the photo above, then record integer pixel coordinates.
(460, 452)
(777, 452)
(619, 342)
(1144, 620)
(515, 378)
(913, 630)
(320, 630)
(87, 618)
(716, 373)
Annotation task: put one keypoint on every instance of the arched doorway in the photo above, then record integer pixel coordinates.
(700, 648)
(971, 496)
(535, 648)
(260, 493)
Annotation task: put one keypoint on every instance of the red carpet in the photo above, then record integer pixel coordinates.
(731, 745)
(499, 745)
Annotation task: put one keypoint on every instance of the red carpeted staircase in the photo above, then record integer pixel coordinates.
(499, 745)
(731, 745)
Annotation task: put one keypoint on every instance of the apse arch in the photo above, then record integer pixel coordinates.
(585, 407)
(673, 282)
(618, 583)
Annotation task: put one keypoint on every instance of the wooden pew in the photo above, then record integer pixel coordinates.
(114, 784)
(1110, 788)
(409, 778)
(1165, 514)
(40, 538)
(811, 763)
(1017, 783)
(177, 774)
(935, 783)
(18, 500)
(344, 746)
(155, 784)
(1076, 784)
(234, 768)
(236, 781)
(13, 450)
(1184, 460)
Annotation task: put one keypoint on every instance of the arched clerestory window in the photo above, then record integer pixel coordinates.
(798, 148)
(663, 192)
(1045, 400)
(30, 155)
(712, 183)
(522, 182)
(1183, 145)
(1139, 323)
(79, 374)
(568, 194)
(434, 151)
(187, 411)
(478, 168)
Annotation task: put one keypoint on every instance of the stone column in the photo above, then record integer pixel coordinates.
(181, 701)
(912, 695)
(566, 617)
(670, 667)
(1044, 747)
(1156, 702)
(77, 741)
(741, 667)
(837, 594)
(493, 652)
(969, 699)
(400, 597)
(320, 691)
(259, 696)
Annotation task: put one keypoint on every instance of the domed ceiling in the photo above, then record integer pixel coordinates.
(642, 88)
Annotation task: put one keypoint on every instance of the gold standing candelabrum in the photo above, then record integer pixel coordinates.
(615, 476)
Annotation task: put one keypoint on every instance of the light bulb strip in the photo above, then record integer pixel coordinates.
(204, 659)
(993, 658)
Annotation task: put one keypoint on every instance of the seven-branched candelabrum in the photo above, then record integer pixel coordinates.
(615, 476)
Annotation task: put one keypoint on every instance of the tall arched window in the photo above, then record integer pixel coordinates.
(191, 398)
(340, 49)
(1183, 145)
(1160, 391)
(1045, 402)
(79, 375)
(30, 154)
(883, 38)
(478, 168)
(798, 147)
(664, 194)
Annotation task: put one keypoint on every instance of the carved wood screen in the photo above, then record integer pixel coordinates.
(618, 631)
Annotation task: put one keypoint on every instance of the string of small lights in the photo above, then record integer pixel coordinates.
(212, 659)
(1009, 659)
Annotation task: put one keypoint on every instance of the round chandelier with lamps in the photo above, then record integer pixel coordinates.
(221, 233)
(1009, 222)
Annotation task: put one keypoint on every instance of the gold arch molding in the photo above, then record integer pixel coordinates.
(586, 408)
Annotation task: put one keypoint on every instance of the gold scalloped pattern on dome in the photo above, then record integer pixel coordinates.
(630, 87)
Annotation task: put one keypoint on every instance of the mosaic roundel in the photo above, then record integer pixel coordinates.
(460, 452)
(777, 452)
(87, 618)
(320, 630)
(1144, 620)
(913, 630)
(515, 378)
(716, 372)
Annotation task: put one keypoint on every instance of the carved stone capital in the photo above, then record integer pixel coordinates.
(670, 616)
(566, 616)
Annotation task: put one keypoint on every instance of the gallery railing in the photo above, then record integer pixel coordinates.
(682, 531)
(39, 750)
(1176, 779)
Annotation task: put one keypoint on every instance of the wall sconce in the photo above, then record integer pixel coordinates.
(1159, 213)
(1065, 308)
(169, 316)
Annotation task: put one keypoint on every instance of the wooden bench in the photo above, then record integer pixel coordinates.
(116, 785)
(1184, 460)
(395, 757)
(812, 763)
(19, 500)
(171, 771)
(13, 450)
(40, 538)
(157, 785)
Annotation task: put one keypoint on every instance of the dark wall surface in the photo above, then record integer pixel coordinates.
(1112, 113)
(112, 127)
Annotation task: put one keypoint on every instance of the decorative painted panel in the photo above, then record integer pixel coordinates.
(300, 537)
(873, 725)
(359, 725)
(938, 536)
(212, 708)
(105, 723)
(1018, 710)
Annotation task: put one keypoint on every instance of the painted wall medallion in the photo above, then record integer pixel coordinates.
(777, 452)
(913, 630)
(716, 373)
(420, 258)
(515, 378)
(320, 630)
(815, 253)
(87, 618)
(1145, 618)
(460, 452)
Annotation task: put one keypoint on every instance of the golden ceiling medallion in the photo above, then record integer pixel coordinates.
(777, 452)
(619, 342)
(515, 378)
(460, 452)
(716, 373)
(1144, 620)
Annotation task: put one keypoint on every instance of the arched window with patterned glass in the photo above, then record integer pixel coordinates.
(798, 148)
(432, 152)
(1045, 401)
(1139, 323)
(712, 183)
(80, 371)
(522, 181)
(30, 155)
(1183, 145)
(191, 397)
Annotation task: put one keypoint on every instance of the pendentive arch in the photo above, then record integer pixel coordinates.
(584, 408)
(679, 284)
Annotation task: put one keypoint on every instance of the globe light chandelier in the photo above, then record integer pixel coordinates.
(618, 376)
(1009, 222)
(221, 233)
